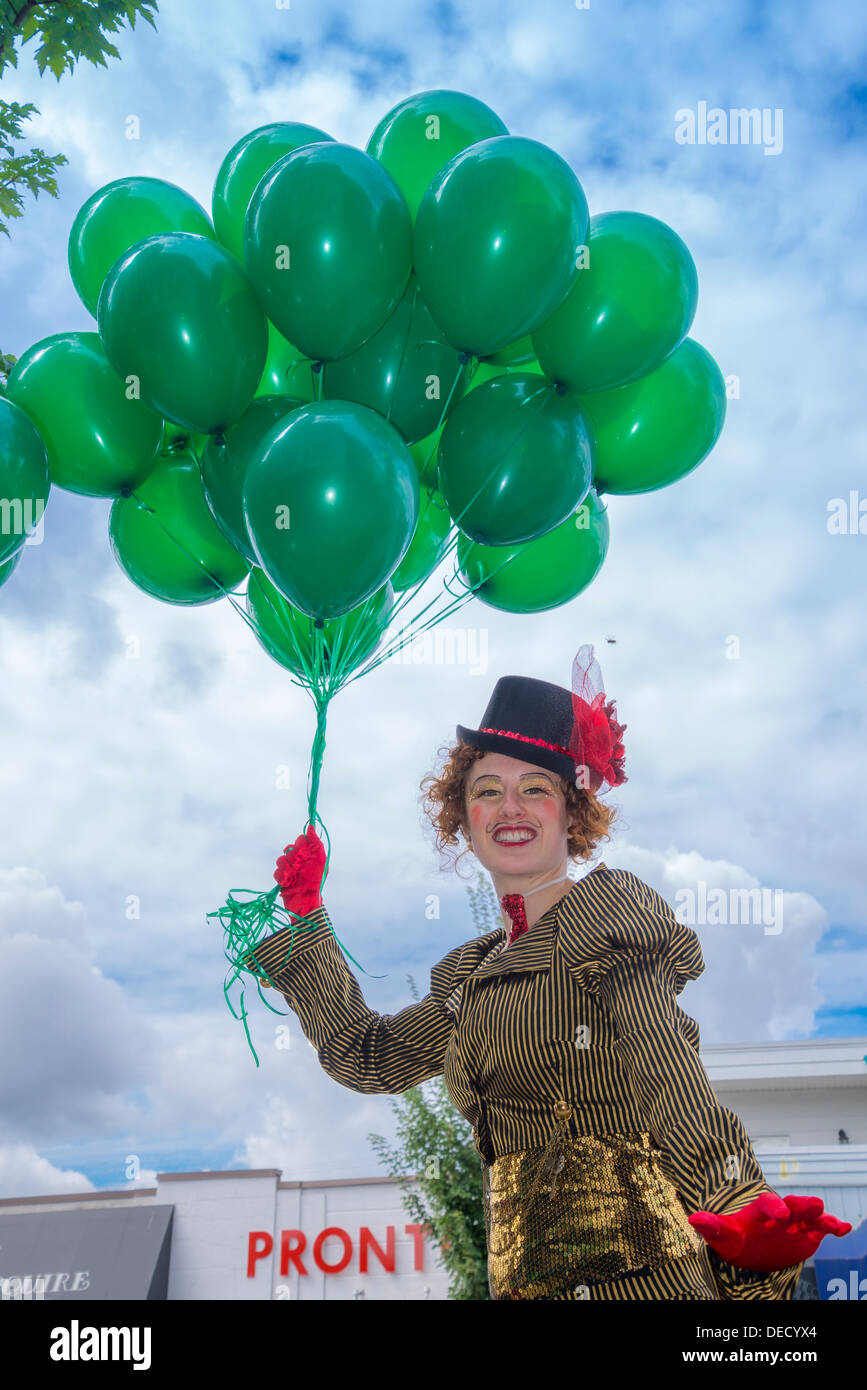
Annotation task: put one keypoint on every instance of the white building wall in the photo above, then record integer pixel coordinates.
(213, 1214)
(806, 1115)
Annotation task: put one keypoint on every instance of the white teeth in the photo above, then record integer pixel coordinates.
(513, 836)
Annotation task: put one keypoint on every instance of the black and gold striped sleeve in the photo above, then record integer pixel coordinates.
(363, 1050)
(735, 1283)
(636, 957)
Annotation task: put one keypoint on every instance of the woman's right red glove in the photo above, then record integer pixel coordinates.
(299, 873)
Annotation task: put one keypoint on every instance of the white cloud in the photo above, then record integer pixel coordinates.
(65, 1025)
(751, 933)
(25, 1173)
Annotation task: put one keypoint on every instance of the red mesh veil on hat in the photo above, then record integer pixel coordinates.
(596, 744)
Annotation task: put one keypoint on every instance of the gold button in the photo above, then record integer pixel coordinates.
(263, 981)
(562, 1109)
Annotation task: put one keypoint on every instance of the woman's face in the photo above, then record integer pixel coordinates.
(516, 814)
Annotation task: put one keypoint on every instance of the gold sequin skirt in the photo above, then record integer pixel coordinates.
(607, 1211)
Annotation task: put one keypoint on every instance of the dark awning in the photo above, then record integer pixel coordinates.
(96, 1253)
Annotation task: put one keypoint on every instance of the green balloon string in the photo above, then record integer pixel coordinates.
(247, 917)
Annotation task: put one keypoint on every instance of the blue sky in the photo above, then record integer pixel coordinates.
(155, 777)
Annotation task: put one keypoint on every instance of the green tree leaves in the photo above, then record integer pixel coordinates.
(77, 29)
(435, 1142)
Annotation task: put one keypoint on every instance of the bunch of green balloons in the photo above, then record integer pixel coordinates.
(358, 361)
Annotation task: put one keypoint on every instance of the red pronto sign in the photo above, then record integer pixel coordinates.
(294, 1252)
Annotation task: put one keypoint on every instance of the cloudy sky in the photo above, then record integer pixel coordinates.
(154, 777)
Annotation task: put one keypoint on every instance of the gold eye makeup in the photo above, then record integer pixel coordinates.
(495, 789)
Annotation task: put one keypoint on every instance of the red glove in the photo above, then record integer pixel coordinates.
(771, 1232)
(299, 873)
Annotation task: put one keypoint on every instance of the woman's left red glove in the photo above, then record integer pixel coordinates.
(299, 873)
(772, 1232)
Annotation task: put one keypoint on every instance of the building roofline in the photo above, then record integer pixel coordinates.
(351, 1182)
(131, 1192)
(100, 1196)
(801, 1063)
(855, 1046)
(221, 1173)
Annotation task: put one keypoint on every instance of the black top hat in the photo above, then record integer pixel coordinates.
(527, 719)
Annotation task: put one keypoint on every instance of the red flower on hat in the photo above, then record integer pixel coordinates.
(596, 741)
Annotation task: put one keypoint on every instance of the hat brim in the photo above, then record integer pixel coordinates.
(521, 752)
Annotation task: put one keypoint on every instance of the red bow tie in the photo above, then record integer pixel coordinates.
(513, 904)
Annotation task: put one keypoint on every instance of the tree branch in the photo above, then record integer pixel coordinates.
(20, 15)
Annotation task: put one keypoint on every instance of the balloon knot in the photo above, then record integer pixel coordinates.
(125, 490)
(316, 367)
(318, 622)
(463, 358)
(560, 388)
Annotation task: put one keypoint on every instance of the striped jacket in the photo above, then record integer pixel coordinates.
(583, 1007)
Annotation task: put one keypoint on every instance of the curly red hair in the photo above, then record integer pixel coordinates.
(589, 820)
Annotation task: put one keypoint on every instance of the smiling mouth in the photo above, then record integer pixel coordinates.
(517, 835)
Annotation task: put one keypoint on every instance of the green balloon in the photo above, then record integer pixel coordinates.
(424, 456)
(630, 308)
(118, 215)
(488, 371)
(287, 371)
(497, 240)
(246, 164)
(99, 440)
(288, 635)
(176, 439)
(421, 134)
(515, 459)
(544, 573)
(655, 430)
(178, 313)
(170, 545)
(7, 566)
(519, 354)
(224, 463)
(24, 479)
(328, 246)
(425, 451)
(406, 371)
(428, 544)
(331, 504)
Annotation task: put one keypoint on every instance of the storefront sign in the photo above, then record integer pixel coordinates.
(293, 1249)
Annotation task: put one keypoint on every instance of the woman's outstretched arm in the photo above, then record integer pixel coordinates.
(363, 1050)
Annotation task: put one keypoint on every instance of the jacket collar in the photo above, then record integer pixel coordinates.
(532, 951)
